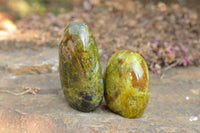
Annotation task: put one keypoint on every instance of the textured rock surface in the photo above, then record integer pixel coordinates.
(173, 100)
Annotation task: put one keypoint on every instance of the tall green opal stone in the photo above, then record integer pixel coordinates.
(127, 84)
(80, 68)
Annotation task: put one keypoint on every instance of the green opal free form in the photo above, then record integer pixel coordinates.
(80, 68)
(127, 84)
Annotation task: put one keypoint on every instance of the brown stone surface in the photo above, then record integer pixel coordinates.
(174, 100)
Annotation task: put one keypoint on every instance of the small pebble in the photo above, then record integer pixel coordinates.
(187, 98)
(193, 118)
(12, 77)
(54, 68)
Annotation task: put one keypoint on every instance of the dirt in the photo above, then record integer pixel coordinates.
(166, 36)
(163, 34)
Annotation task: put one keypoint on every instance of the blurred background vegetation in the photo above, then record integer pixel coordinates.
(20, 8)
(164, 32)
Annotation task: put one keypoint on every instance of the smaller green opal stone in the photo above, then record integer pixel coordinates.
(126, 84)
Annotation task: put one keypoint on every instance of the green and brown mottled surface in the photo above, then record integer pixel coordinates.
(127, 84)
(80, 68)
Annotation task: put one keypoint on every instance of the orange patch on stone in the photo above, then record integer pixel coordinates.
(120, 61)
(140, 83)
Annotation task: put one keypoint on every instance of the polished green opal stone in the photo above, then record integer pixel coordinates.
(126, 84)
(80, 68)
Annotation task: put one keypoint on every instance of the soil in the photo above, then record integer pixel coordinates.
(165, 35)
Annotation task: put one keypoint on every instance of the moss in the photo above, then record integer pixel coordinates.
(80, 69)
(127, 84)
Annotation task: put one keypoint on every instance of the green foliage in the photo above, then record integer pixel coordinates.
(21, 8)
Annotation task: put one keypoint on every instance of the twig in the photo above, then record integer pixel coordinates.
(19, 111)
(167, 68)
(32, 90)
